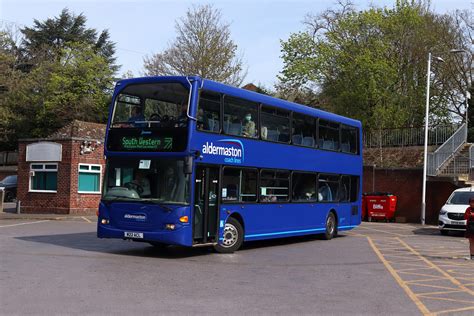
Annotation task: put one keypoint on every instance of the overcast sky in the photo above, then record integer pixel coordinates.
(144, 27)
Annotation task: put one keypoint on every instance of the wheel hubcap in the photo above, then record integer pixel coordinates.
(330, 225)
(231, 236)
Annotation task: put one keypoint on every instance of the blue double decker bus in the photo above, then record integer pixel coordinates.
(194, 162)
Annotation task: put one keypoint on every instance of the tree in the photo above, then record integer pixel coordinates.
(203, 47)
(371, 64)
(49, 38)
(70, 81)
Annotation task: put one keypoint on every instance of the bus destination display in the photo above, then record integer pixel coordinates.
(146, 143)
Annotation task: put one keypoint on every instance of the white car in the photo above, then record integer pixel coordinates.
(451, 215)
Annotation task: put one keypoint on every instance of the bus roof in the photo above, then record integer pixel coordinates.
(247, 94)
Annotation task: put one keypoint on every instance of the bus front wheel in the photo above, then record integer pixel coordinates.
(331, 227)
(233, 237)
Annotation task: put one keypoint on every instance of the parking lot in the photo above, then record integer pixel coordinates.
(59, 267)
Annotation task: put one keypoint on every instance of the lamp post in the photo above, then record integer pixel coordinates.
(425, 152)
(427, 109)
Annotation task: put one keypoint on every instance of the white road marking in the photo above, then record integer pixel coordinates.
(19, 224)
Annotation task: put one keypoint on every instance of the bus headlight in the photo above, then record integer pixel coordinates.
(170, 226)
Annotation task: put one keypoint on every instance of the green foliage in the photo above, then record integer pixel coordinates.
(49, 38)
(37, 100)
(371, 65)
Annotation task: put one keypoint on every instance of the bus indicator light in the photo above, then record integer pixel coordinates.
(184, 219)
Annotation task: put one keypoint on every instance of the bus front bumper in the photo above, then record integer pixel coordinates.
(181, 236)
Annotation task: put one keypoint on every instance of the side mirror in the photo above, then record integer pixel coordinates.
(188, 164)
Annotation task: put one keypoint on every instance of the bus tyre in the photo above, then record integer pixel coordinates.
(331, 226)
(233, 237)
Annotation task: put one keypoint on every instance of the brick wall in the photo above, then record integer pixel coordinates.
(66, 200)
(8, 171)
(81, 203)
(407, 185)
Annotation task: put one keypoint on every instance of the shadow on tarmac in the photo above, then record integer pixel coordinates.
(90, 242)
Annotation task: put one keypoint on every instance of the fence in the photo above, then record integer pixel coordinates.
(8, 158)
(401, 137)
(446, 151)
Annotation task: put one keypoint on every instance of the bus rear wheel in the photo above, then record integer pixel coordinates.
(331, 227)
(233, 237)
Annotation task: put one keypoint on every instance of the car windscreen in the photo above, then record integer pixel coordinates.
(460, 198)
(9, 180)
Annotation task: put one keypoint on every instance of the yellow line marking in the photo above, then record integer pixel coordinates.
(86, 219)
(455, 310)
(448, 276)
(400, 282)
(425, 280)
(419, 274)
(382, 231)
(405, 261)
(438, 292)
(435, 286)
(445, 299)
(411, 269)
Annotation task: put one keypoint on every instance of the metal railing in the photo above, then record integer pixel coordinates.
(8, 158)
(446, 151)
(413, 136)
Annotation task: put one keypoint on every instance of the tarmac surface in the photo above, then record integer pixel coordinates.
(55, 265)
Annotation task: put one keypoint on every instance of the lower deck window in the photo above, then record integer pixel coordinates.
(89, 178)
(274, 186)
(43, 177)
(239, 185)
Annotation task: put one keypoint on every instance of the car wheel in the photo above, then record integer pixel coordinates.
(9, 196)
(233, 237)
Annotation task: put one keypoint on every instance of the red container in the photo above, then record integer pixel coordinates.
(379, 206)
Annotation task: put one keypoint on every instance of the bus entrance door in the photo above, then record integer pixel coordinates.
(206, 204)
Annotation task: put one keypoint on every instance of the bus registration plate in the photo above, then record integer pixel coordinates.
(133, 235)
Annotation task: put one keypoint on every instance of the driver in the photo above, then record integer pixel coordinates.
(136, 115)
(142, 181)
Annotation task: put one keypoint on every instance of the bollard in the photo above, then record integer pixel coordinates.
(2, 196)
(18, 206)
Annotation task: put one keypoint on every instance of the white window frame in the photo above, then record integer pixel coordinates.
(89, 165)
(30, 189)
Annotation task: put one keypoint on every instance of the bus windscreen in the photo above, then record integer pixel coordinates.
(149, 117)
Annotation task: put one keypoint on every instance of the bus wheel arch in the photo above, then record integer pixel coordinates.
(239, 218)
(331, 225)
(233, 235)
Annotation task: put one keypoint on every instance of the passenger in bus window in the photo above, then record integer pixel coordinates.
(269, 197)
(182, 120)
(249, 127)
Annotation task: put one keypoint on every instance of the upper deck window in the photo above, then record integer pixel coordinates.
(329, 135)
(151, 105)
(240, 117)
(275, 124)
(304, 130)
(349, 138)
(209, 112)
